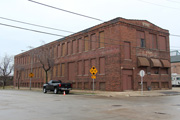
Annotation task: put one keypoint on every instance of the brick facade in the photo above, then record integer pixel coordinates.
(114, 48)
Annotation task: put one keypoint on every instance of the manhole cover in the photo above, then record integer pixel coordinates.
(160, 113)
(177, 105)
(116, 105)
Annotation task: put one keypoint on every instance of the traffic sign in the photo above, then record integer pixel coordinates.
(142, 73)
(93, 70)
(93, 77)
(31, 75)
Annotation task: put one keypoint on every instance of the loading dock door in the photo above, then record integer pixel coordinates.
(127, 80)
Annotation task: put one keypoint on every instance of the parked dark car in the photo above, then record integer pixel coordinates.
(57, 86)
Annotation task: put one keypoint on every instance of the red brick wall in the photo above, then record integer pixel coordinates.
(116, 33)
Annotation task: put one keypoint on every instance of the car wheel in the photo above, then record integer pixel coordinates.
(67, 92)
(44, 90)
(55, 90)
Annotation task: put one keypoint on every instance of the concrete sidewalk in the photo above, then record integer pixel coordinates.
(174, 91)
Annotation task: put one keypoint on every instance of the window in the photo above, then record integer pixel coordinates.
(93, 42)
(58, 72)
(154, 70)
(127, 50)
(93, 62)
(86, 43)
(74, 46)
(80, 45)
(140, 39)
(54, 71)
(164, 71)
(86, 67)
(178, 78)
(62, 69)
(101, 39)
(162, 43)
(55, 51)
(142, 42)
(102, 65)
(63, 49)
(59, 50)
(69, 48)
(80, 68)
(153, 41)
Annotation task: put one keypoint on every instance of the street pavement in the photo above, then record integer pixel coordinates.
(165, 92)
(84, 105)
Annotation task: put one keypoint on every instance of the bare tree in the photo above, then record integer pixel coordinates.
(44, 56)
(6, 68)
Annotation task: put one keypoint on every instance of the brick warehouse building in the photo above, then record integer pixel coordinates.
(119, 49)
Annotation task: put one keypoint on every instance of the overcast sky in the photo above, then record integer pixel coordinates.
(163, 13)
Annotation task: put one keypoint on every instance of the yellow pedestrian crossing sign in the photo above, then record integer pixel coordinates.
(93, 70)
(31, 75)
(93, 77)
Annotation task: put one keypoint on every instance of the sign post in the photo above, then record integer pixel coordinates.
(142, 73)
(93, 71)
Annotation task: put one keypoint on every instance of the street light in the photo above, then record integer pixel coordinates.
(31, 54)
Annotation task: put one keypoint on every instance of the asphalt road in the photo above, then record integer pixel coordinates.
(31, 105)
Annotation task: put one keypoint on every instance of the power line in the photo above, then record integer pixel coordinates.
(35, 25)
(158, 4)
(97, 18)
(67, 11)
(175, 35)
(31, 30)
(173, 1)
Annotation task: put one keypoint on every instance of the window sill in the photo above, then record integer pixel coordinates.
(79, 75)
(102, 74)
(128, 59)
(101, 47)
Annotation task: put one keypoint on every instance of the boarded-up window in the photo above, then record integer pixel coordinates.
(102, 65)
(80, 68)
(69, 48)
(140, 39)
(101, 39)
(54, 71)
(80, 45)
(93, 62)
(127, 50)
(162, 43)
(59, 71)
(86, 67)
(93, 42)
(74, 46)
(59, 51)
(153, 41)
(71, 71)
(37, 70)
(40, 72)
(55, 51)
(63, 49)
(86, 43)
(62, 69)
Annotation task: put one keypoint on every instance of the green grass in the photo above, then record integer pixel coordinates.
(7, 87)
